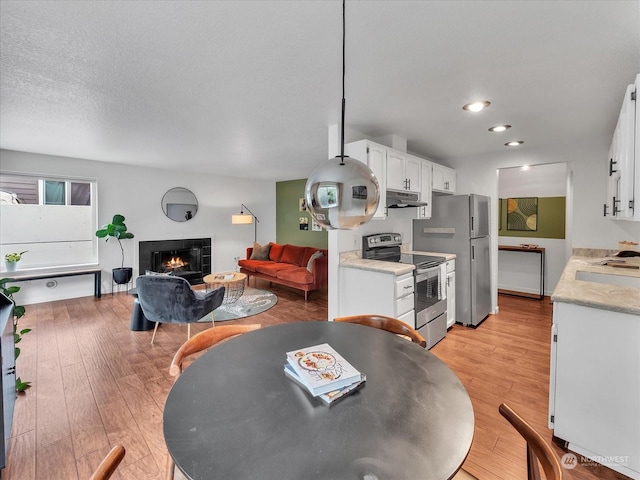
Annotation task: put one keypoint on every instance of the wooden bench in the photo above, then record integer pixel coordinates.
(96, 272)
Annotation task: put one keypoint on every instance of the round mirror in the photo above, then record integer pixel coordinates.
(179, 204)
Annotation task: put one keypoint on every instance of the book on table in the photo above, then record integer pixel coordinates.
(321, 369)
(329, 397)
(227, 276)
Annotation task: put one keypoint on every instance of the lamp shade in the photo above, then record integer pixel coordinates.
(342, 195)
(241, 218)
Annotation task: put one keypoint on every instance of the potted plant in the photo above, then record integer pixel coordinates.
(18, 312)
(11, 260)
(118, 230)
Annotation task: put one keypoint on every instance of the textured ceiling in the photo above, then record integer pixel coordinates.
(249, 88)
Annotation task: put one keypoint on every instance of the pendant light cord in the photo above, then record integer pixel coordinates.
(343, 74)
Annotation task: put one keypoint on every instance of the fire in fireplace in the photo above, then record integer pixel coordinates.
(190, 259)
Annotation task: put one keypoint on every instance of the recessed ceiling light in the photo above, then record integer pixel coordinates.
(499, 128)
(476, 106)
(515, 143)
(524, 168)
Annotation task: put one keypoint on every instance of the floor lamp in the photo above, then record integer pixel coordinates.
(246, 219)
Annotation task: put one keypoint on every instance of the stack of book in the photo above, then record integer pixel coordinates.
(323, 372)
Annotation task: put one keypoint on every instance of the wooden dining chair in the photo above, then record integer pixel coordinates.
(109, 464)
(195, 344)
(538, 450)
(389, 324)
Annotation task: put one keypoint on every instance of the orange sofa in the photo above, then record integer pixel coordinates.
(289, 265)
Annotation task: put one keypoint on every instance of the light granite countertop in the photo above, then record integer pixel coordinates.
(602, 295)
(353, 259)
(447, 256)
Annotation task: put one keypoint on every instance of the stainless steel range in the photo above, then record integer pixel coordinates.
(429, 277)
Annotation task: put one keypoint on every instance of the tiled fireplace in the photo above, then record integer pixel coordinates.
(187, 258)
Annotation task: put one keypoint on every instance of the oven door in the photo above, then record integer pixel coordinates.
(429, 295)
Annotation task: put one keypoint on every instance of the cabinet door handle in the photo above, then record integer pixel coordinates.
(614, 207)
(408, 184)
(611, 164)
(605, 209)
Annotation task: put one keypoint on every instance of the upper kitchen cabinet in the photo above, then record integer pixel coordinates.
(403, 171)
(623, 163)
(424, 211)
(443, 179)
(375, 156)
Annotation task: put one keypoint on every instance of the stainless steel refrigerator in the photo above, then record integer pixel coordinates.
(460, 224)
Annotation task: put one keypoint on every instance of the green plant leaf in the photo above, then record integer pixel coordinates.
(25, 330)
(21, 386)
(16, 352)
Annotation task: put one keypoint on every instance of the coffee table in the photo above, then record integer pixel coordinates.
(232, 281)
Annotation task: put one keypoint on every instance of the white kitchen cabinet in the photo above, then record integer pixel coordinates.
(594, 388)
(375, 157)
(621, 161)
(451, 293)
(443, 179)
(623, 164)
(374, 292)
(424, 211)
(403, 171)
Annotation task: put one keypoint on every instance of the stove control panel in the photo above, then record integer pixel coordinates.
(381, 240)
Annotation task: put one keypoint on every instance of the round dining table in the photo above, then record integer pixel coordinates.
(234, 414)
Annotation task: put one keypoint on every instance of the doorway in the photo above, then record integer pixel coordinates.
(534, 211)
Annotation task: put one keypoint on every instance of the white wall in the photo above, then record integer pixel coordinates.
(520, 271)
(136, 193)
(587, 161)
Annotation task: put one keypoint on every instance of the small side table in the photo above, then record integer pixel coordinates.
(139, 322)
(232, 281)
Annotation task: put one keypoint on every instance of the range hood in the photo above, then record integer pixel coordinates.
(396, 199)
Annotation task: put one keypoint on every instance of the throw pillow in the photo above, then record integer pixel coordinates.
(260, 252)
(317, 254)
(151, 272)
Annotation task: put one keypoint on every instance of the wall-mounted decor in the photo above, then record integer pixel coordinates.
(304, 223)
(522, 214)
(179, 204)
(302, 205)
(315, 226)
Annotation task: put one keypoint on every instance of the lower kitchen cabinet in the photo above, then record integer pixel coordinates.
(374, 292)
(594, 389)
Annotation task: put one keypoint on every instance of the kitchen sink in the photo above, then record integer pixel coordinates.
(609, 279)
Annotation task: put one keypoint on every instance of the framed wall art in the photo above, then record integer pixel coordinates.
(522, 214)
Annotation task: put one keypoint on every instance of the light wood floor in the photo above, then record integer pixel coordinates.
(96, 383)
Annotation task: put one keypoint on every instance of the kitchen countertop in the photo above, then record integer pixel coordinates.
(595, 294)
(353, 259)
(447, 256)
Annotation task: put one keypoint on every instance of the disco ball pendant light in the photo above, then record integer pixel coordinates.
(342, 193)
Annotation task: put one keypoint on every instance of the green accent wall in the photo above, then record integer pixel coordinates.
(551, 219)
(288, 214)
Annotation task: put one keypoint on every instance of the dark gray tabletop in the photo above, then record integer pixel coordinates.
(233, 414)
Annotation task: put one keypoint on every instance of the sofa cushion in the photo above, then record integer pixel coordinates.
(272, 268)
(298, 275)
(251, 264)
(260, 252)
(316, 254)
(275, 252)
(293, 255)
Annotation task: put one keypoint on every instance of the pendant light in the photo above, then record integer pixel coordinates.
(342, 193)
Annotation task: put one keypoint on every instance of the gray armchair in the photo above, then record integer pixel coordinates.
(169, 299)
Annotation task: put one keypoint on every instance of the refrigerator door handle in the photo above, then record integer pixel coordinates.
(472, 229)
(473, 252)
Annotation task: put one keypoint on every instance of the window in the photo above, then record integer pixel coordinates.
(54, 219)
